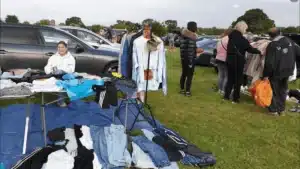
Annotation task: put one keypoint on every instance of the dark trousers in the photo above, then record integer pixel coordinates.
(186, 75)
(279, 88)
(234, 81)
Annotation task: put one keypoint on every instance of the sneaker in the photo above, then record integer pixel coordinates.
(182, 92)
(188, 94)
(282, 114)
(273, 113)
(62, 105)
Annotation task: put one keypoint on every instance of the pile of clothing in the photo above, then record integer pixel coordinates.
(97, 147)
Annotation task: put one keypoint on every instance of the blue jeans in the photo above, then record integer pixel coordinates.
(157, 154)
(116, 140)
(206, 160)
(100, 145)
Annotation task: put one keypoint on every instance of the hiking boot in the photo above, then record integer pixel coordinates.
(188, 94)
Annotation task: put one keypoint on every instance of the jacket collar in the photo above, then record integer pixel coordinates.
(189, 34)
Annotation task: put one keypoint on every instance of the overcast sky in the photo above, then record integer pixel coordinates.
(206, 13)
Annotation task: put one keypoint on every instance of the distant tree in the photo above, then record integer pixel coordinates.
(11, 19)
(62, 24)
(96, 28)
(257, 20)
(149, 21)
(75, 21)
(171, 25)
(44, 22)
(290, 29)
(26, 23)
(157, 28)
(128, 25)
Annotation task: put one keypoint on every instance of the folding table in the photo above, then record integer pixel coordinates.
(43, 115)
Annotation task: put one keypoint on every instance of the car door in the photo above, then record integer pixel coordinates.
(20, 48)
(51, 37)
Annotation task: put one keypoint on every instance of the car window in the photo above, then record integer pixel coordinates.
(53, 37)
(14, 35)
(87, 36)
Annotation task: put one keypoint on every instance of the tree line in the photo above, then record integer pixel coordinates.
(257, 20)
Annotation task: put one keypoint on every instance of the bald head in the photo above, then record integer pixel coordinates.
(273, 32)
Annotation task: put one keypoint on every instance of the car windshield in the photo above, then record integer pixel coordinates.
(73, 36)
(207, 44)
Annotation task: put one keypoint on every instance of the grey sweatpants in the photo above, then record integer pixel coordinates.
(222, 75)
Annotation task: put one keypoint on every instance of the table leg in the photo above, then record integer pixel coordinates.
(126, 115)
(26, 126)
(43, 116)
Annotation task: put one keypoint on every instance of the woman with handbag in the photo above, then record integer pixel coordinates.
(221, 61)
(237, 46)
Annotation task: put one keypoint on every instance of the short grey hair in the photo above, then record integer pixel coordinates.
(241, 26)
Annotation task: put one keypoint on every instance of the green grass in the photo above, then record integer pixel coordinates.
(241, 136)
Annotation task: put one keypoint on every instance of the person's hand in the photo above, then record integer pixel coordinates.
(199, 51)
(265, 78)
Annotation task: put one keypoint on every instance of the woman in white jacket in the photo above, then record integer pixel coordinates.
(60, 63)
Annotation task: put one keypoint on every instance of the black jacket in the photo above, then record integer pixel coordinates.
(280, 59)
(188, 46)
(237, 46)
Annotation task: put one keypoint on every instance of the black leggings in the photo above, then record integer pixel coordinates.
(235, 80)
(186, 75)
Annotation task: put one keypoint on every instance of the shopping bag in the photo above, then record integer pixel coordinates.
(252, 88)
(262, 93)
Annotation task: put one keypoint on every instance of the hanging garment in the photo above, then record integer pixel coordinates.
(156, 72)
(130, 54)
(294, 76)
(123, 55)
(255, 66)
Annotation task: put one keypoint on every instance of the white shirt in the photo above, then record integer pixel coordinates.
(65, 63)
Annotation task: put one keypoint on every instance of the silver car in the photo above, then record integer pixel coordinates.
(91, 38)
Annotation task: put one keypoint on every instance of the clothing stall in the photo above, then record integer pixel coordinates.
(98, 133)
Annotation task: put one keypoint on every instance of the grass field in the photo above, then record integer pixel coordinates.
(241, 136)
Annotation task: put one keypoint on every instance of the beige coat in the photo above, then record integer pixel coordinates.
(256, 63)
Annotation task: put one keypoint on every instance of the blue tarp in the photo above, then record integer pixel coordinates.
(12, 123)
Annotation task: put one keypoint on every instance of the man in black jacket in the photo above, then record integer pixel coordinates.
(188, 53)
(279, 66)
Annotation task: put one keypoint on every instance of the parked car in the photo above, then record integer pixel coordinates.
(29, 46)
(208, 46)
(91, 38)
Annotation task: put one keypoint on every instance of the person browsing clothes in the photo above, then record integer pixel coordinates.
(280, 61)
(237, 46)
(60, 63)
(188, 53)
(221, 61)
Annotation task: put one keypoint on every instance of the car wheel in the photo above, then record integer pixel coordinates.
(112, 67)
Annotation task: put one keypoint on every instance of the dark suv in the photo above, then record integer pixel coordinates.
(28, 46)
